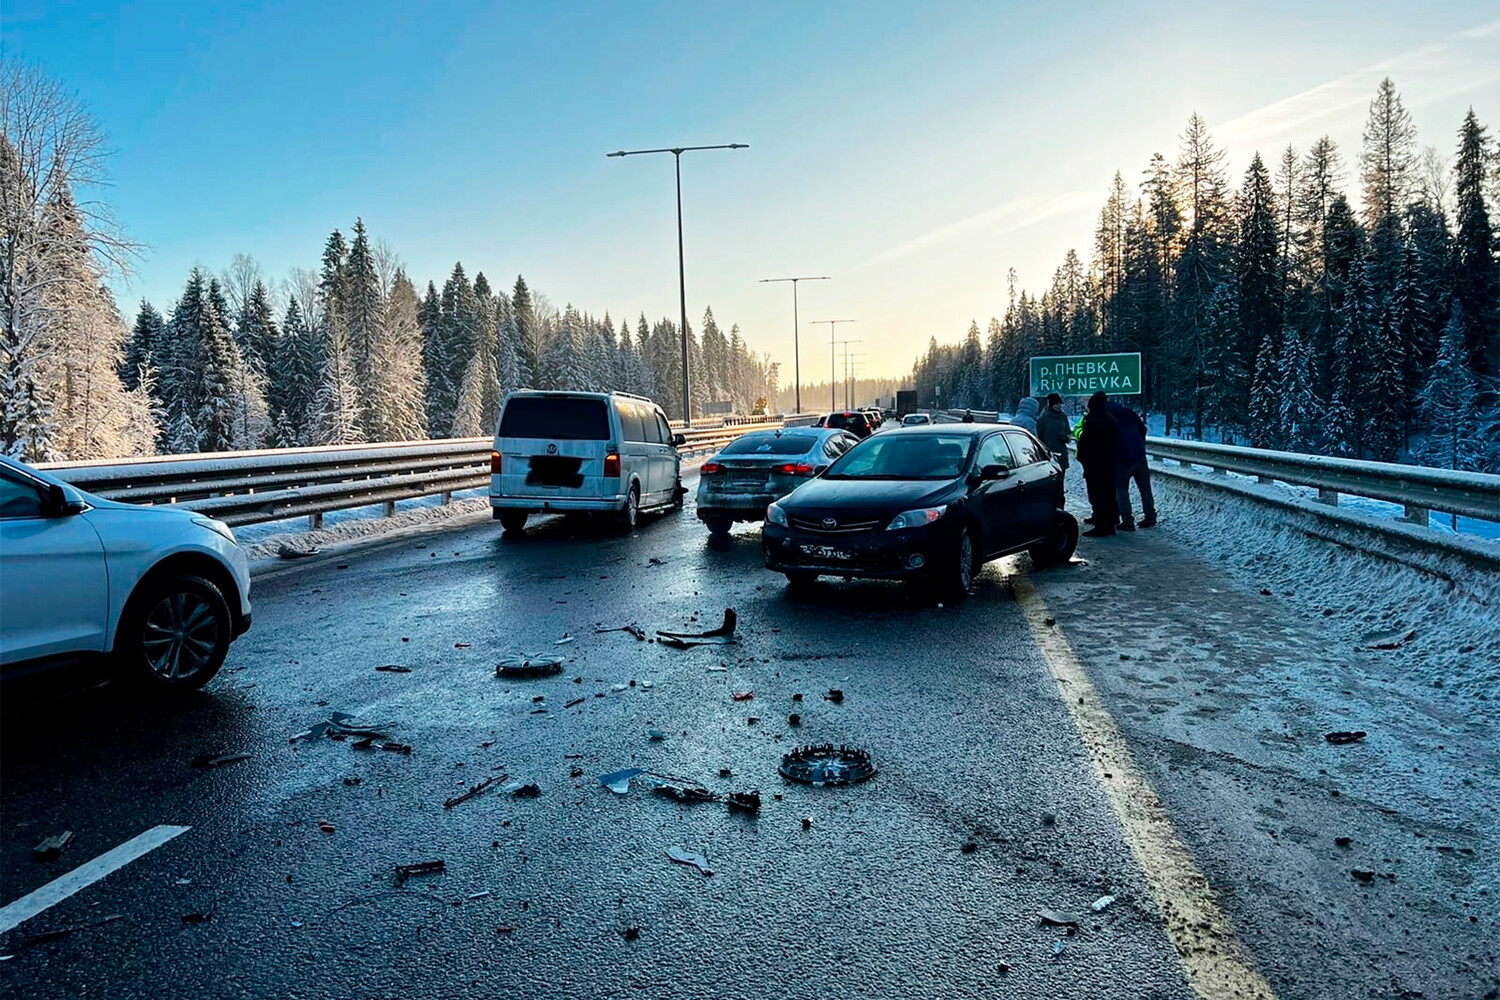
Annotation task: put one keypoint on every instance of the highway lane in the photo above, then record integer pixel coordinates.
(875, 895)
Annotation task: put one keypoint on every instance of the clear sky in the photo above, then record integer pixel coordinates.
(912, 151)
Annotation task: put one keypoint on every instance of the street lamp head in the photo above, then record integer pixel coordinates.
(618, 152)
(739, 145)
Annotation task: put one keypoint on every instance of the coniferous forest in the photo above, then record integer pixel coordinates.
(1311, 305)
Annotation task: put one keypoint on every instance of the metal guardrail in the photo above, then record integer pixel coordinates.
(248, 487)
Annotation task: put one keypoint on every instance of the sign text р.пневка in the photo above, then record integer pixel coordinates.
(1086, 374)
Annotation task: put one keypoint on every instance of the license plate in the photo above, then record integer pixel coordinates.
(827, 552)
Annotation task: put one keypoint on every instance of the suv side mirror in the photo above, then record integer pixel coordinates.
(678, 440)
(57, 503)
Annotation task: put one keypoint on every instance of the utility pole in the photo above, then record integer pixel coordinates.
(848, 390)
(833, 364)
(796, 346)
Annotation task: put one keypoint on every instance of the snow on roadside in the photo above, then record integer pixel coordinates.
(268, 546)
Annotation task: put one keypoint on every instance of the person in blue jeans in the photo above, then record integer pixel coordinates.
(1130, 463)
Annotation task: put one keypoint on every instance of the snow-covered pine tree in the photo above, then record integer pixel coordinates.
(1201, 265)
(528, 334)
(1224, 375)
(147, 339)
(365, 307)
(255, 327)
(224, 390)
(1449, 404)
(1300, 410)
(1264, 418)
(398, 411)
(1257, 264)
(1477, 271)
(337, 402)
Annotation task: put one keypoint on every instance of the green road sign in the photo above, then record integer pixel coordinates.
(1086, 374)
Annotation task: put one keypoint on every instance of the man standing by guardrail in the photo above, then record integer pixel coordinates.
(1130, 463)
(1098, 446)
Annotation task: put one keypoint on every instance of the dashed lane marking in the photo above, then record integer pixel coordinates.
(85, 875)
(1217, 965)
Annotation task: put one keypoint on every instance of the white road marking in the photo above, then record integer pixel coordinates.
(85, 875)
(1217, 965)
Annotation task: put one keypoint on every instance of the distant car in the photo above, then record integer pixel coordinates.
(874, 417)
(161, 589)
(926, 503)
(762, 466)
(565, 452)
(915, 420)
(853, 421)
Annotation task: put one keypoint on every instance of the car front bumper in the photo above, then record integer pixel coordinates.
(878, 554)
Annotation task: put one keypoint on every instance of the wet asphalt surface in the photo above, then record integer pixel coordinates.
(571, 893)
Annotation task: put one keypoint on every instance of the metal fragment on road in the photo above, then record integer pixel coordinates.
(288, 552)
(404, 872)
(1101, 904)
(470, 793)
(1390, 640)
(522, 790)
(1341, 739)
(1055, 918)
(528, 667)
(742, 695)
(834, 695)
(619, 781)
(722, 635)
(744, 801)
(217, 759)
(632, 628)
(655, 735)
(52, 847)
(682, 790)
(682, 856)
(827, 765)
(565, 640)
(393, 668)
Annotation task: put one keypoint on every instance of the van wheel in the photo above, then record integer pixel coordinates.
(1058, 546)
(513, 521)
(631, 515)
(175, 633)
(679, 496)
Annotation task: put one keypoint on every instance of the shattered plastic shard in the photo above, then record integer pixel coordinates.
(1101, 904)
(1339, 739)
(525, 667)
(827, 765)
(619, 781)
(745, 801)
(682, 790)
(682, 856)
(719, 636)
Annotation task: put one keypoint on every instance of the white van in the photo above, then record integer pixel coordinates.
(560, 452)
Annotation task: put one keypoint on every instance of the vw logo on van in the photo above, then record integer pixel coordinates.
(829, 522)
(552, 449)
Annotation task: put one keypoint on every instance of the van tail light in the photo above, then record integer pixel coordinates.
(710, 469)
(612, 466)
(494, 463)
(795, 469)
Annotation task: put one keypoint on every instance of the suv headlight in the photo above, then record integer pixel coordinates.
(916, 518)
(219, 528)
(775, 515)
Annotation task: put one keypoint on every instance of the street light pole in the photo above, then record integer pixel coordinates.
(833, 363)
(677, 151)
(796, 329)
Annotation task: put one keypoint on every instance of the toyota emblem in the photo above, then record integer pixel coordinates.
(552, 449)
(829, 522)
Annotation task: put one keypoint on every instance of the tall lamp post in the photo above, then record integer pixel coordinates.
(796, 330)
(677, 151)
(833, 363)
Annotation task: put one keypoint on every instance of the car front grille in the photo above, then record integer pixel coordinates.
(816, 526)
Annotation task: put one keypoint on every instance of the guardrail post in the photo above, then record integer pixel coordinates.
(1264, 480)
(445, 497)
(1330, 497)
(388, 509)
(1218, 470)
(1416, 515)
(315, 521)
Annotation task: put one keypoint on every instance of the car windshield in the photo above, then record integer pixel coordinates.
(771, 443)
(558, 418)
(904, 456)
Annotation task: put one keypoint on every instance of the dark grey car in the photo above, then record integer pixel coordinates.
(739, 482)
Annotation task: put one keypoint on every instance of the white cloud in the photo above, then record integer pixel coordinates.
(998, 221)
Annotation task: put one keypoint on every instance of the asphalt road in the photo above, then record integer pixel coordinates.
(827, 892)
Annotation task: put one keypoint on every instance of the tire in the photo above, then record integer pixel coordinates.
(513, 521)
(718, 526)
(1059, 546)
(631, 515)
(799, 580)
(957, 576)
(175, 633)
(679, 496)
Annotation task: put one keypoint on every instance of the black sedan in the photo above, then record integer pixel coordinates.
(927, 503)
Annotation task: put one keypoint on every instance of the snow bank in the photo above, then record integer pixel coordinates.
(268, 546)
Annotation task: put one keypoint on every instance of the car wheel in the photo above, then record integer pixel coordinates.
(679, 496)
(718, 526)
(175, 633)
(958, 575)
(631, 515)
(1059, 546)
(801, 580)
(513, 521)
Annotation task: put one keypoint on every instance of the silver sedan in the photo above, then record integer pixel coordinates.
(739, 482)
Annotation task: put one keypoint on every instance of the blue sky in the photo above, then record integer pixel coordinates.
(912, 151)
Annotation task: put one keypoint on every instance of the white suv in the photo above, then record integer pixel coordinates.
(163, 589)
(558, 452)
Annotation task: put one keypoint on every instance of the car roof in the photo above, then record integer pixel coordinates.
(935, 429)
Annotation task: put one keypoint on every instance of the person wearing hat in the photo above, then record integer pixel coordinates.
(1053, 429)
(1098, 445)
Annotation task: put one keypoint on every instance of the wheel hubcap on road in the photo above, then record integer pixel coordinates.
(180, 635)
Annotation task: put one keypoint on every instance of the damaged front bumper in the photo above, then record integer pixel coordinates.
(875, 554)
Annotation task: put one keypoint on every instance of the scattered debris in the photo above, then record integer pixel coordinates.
(682, 856)
(1054, 918)
(1049, 621)
(744, 801)
(742, 695)
(682, 790)
(1340, 739)
(49, 849)
(351, 782)
(654, 561)
(807, 822)
(969, 847)
(462, 645)
(619, 781)
(1057, 947)
(725, 772)
(63, 932)
(720, 636)
(1342, 841)
(834, 695)
(476, 790)
(528, 667)
(752, 720)
(617, 688)
(480, 894)
(1265, 592)
(575, 702)
(631, 933)
(289, 552)
(797, 697)
(1049, 819)
(827, 765)
(1003, 968)
(655, 735)
(217, 759)
(647, 685)
(794, 719)
(720, 669)
(392, 668)
(196, 917)
(404, 872)
(522, 790)
(565, 640)
(327, 827)
(575, 772)
(1101, 904)
(632, 628)
(1360, 875)
(1390, 640)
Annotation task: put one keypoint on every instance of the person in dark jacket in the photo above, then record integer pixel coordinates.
(1098, 447)
(1055, 430)
(968, 417)
(1130, 464)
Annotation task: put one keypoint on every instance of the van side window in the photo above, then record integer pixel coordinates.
(631, 422)
(663, 432)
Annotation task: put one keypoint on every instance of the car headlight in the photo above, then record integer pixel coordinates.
(916, 518)
(217, 527)
(775, 515)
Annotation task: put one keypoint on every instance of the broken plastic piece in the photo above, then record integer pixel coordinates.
(682, 856)
(682, 790)
(1057, 947)
(327, 827)
(527, 667)
(1339, 739)
(794, 719)
(619, 781)
(1053, 918)
(575, 701)
(632, 628)
(1390, 640)
(522, 790)
(50, 848)
(1101, 904)
(742, 695)
(393, 668)
(476, 790)
(565, 640)
(745, 801)
(655, 735)
(827, 765)
(719, 636)
(403, 872)
(217, 759)
(834, 695)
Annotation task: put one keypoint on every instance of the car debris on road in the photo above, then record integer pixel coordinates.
(683, 856)
(52, 847)
(206, 760)
(1342, 739)
(528, 667)
(632, 628)
(722, 635)
(619, 781)
(404, 872)
(478, 789)
(393, 668)
(827, 765)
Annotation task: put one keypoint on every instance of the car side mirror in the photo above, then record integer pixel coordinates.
(58, 504)
(994, 471)
(678, 440)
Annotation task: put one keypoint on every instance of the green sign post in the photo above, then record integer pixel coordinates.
(1086, 374)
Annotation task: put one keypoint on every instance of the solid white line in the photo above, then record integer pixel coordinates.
(85, 875)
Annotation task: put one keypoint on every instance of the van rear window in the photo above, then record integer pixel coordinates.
(559, 418)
